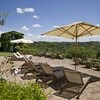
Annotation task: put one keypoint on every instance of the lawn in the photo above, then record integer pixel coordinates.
(6, 54)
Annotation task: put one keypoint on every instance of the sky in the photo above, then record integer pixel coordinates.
(35, 17)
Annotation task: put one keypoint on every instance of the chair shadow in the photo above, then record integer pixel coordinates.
(68, 95)
(86, 67)
(28, 77)
(65, 94)
(12, 58)
(56, 85)
(93, 78)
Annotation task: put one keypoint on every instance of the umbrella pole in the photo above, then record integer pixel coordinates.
(75, 53)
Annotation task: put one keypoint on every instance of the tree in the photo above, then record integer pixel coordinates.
(7, 37)
(3, 17)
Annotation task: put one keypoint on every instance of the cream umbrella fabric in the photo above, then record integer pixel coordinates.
(21, 41)
(74, 31)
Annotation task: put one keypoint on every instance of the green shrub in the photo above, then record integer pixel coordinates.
(17, 48)
(25, 46)
(12, 91)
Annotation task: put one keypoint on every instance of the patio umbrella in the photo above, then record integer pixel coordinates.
(21, 41)
(74, 31)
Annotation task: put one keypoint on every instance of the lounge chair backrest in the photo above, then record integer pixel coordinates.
(33, 65)
(73, 77)
(26, 60)
(18, 53)
(17, 56)
(47, 68)
(30, 63)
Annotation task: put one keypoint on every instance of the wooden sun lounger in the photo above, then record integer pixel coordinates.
(75, 83)
(48, 75)
(31, 68)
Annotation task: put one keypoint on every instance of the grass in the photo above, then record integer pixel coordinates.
(6, 54)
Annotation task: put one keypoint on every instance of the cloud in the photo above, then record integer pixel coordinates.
(19, 10)
(38, 37)
(89, 38)
(24, 10)
(36, 25)
(24, 28)
(1, 32)
(28, 9)
(98, 25)
(56, 26)
(35, 16)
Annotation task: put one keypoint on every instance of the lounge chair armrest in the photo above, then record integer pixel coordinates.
(84, 86)
(48, 82)
(88, 81)
(39, 76)
(62, 87)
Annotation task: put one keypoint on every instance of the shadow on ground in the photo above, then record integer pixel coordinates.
(28, 77)
(57, 85)
(68, 95)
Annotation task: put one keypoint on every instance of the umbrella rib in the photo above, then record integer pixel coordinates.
(90, 25)
(90, 30)
(64, 31)
(86, 30)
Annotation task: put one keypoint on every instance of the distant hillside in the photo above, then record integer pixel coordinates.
(67, 49)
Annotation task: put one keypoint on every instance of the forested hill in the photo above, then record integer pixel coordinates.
(93, 44)
(66, 49)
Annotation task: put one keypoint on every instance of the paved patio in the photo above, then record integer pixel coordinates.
(92, 91)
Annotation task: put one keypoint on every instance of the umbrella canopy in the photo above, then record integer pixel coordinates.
(21, 41)
(74, 31)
